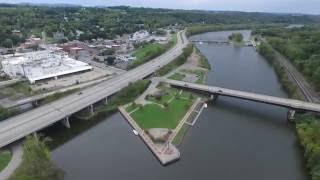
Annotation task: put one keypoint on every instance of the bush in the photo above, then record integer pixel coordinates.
(36, 162)
(126, 95)
(6, 113)
(308, 129)
(177, 62)
(267, 52)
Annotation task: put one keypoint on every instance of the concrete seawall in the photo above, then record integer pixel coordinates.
(165, 153)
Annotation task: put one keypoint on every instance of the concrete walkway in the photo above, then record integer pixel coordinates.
(150, 90)
(16, 159)
(182, 122)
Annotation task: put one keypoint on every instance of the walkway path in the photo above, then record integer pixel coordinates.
(16, 159)
(183, 121)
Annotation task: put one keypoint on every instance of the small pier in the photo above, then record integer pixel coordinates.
(166, 153)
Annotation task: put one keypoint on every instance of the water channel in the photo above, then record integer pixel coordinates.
(233, 139)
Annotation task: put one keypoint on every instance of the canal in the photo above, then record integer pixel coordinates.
(232, 139)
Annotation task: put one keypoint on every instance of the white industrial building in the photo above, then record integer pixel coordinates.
(41, 65)
(139, 36)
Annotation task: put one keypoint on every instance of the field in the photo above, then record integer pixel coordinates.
(164, 112)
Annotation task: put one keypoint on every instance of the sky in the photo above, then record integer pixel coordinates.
(280, 6)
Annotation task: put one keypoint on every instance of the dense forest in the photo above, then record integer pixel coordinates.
(301, 46)
(101, 22)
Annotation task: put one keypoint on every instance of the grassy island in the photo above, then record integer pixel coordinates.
(164, 112)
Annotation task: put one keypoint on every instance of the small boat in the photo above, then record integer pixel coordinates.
(205, 105)
(135, 132)
(200, 42)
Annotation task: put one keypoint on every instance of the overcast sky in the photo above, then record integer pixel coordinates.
(284, 6)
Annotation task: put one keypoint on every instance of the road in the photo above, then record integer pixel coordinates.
(24, 124)
(284, 102)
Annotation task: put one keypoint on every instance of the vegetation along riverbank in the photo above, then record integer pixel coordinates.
(308, 126)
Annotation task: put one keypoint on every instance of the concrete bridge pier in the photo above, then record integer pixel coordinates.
(290, 115)
(91, 110)
(66, 122)
(213, 97)
(35, 103)
(85, 113)
(106, 101)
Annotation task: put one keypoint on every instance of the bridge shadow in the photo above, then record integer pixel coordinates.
(61, 135)
(263, 113)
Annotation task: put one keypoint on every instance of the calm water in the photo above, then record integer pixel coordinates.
(233, 139)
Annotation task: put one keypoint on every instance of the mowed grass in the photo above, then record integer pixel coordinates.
(5, 157)
(177, 76)
(154, 116)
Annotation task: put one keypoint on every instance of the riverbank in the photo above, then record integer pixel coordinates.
(307, 126)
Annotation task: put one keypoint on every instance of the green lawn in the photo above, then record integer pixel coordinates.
(154, 116)
(177, 76)
(5, 157)
(148, 52)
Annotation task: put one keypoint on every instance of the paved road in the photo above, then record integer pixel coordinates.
(9, 82)
(24, 124)
(290, 103)
(44, 95)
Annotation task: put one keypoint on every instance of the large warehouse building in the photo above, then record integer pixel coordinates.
(40, 65)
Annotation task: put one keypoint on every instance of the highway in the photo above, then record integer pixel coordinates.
(284, 102)
(24, 124)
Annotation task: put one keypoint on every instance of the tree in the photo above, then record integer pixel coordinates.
(36, 162)
(7, 43)
(237, 37)
(316, 77)
(110, 60)
(108, 52)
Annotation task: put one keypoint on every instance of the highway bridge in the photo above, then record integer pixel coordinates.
(292, 104)
(34, 120)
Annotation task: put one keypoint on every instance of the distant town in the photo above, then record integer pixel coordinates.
(141, 93)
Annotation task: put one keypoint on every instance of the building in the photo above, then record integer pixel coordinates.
(40, 65)
(58, 36)
(17, 33)
(31, 43)
(139, 36)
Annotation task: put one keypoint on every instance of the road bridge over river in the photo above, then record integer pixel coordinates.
(292, 104)
(24, 124)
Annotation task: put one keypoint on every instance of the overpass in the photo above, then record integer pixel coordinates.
(34, 120)
(292, 104)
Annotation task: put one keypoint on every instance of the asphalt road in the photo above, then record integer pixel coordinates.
(24, 124)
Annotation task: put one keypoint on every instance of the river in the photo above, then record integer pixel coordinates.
(232, 139)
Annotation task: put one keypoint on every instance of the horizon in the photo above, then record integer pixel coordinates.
(251, 6)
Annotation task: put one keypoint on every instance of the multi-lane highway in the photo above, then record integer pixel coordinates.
(24, 124)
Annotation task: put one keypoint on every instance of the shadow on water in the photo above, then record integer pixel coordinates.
(61, 135)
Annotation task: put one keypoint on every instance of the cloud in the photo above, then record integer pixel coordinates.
(293, 6)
